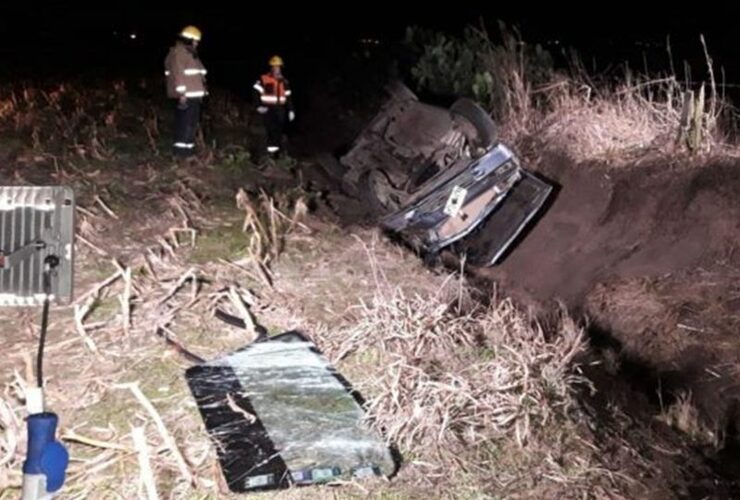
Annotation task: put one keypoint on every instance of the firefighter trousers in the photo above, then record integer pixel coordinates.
(187, 116)
(275, 120)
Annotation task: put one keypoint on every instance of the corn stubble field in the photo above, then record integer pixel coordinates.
(482, 396)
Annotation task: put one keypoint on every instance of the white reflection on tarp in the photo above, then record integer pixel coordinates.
(299, 401)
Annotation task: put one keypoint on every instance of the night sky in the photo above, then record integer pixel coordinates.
(46, 36)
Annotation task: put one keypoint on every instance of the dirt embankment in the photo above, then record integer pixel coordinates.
(650, 255)
(604, 225)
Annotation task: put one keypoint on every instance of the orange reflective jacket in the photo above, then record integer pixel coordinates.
(273, 91)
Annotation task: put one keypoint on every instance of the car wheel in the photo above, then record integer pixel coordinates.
(485, 131)
(378, 192)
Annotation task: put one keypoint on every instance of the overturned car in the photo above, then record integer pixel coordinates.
(438, 177)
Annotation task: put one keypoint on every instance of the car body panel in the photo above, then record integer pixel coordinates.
(433, 188)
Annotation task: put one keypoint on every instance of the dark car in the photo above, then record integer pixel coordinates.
(436, 176)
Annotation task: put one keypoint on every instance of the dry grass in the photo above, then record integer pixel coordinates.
(450, 378)
(616, 125)
(476, 397)
(686, 417)
(613, 120)
(99, 121)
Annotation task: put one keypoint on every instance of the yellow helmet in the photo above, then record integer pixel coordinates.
(191, 33)
(276, 61)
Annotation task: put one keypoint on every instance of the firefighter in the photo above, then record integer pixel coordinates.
(274, 103)
(186, 86)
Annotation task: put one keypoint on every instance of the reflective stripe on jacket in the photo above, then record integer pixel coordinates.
(185, 73)
(273, 91)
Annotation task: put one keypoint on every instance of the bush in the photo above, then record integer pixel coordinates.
(473, 66)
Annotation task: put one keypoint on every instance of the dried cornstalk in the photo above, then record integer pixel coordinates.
(105, 207)
(95, 443)
(190, 274)
(145, 467)
(164, 433)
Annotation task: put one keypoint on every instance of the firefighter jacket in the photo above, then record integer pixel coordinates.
(272, 91)
(186, 75)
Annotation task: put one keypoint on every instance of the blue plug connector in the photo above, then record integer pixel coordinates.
(46, 459)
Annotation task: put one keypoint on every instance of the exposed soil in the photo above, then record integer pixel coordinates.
(621, 224)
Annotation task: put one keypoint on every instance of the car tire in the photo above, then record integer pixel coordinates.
(376, 190)
(486, 132)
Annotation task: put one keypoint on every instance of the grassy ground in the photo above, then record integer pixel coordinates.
(330, 282)
(480, 399)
